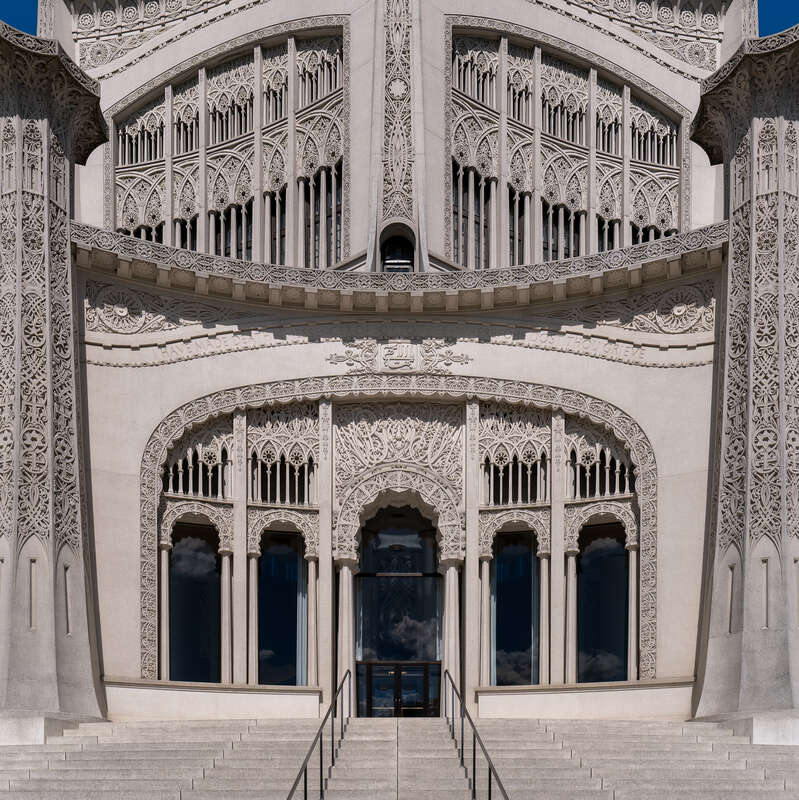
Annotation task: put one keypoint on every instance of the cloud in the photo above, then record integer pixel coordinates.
(192, 559)
(514, 668)
(601, 665)
(420, 637)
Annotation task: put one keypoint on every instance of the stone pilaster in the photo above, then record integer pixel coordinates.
(749, 119)
(49, 119)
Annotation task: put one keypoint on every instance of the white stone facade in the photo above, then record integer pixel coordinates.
(462, 257)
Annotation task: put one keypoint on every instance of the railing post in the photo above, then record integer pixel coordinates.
(321, 764)
(474, 765)
(305, 783)
(489, 784)
(333, 737)
(463, 747)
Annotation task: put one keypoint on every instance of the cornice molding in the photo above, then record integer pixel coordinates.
(555, 281)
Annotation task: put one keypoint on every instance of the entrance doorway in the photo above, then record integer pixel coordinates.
(398, 602)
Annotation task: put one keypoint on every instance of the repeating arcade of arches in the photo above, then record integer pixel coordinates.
(563, 216)
(141, 198)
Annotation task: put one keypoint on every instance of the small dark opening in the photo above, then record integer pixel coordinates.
(397, 254)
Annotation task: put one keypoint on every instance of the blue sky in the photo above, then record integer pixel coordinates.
(775, 15)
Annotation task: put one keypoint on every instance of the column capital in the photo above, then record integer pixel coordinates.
(446, 563)
(352, 563)
(755, 82)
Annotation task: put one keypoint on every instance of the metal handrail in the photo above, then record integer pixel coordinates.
(302, 775)
(493, 775)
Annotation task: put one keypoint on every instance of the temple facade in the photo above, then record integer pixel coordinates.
(398, 338)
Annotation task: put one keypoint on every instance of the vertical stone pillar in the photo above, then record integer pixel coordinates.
(49, 120)
(485, 622)
(474, 644)
(749, 119)
(632, 612)
(313, 670)
(163, 610)
(346, 623)
(557, 575)
(543, 624)
(451, 655)
(240, 548)
(326, 577)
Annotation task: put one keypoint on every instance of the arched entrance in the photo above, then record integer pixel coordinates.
(398, 603)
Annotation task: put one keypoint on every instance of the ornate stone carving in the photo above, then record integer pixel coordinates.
(690, 308)
(426, 435)
(429, 356)
(204, 264)
(349, 387)
(282, 430)
(117, 308)
(305, 522)
(220, 516)
(515, 430)
(400, 482)
(397, 200)
(537, 520)
(579, 515)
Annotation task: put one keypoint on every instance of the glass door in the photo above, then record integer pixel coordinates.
(398, 601)
(402, 689)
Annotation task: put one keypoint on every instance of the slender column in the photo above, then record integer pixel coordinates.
(452, 644)
(543, 622)
(267, 251)
(313, 671)
(301, 222)
(258, 188)
(470, 237)
(203, 244)
(500, 252)
(591, 241)
(495, 226)
(473, 645)
(632, 612)
(252, 621)
(323, 259)
(292, 243)
(528, 228)
(538, 186)
(562, 236)
(239, 588)
(557, 582)
(485, 622)
(163, 626)
(346, 621)
(571, 617)
(326, 579)
(169, 206)
(227, 633)
(626, 149)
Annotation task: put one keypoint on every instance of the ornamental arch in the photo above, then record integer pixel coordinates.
(434, 481)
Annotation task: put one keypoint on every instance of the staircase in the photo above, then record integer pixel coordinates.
(398, 759)
(590, 760)
(217, 760)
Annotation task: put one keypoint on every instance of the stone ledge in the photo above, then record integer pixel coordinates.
(416, 293)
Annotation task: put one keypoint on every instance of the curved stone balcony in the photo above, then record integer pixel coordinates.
(554, 281)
